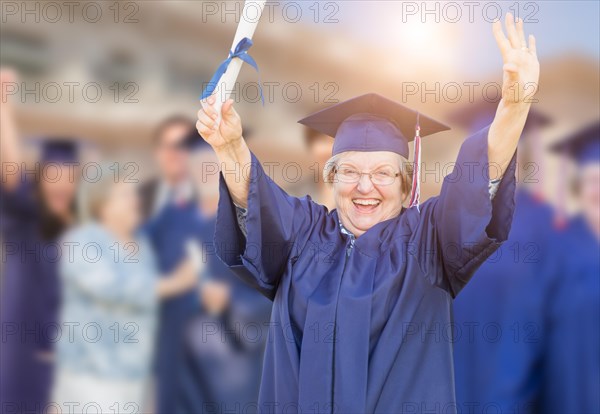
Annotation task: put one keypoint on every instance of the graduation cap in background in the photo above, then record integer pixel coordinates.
(193, 141)
(582, 147)
(372, 122)
(476, 115)
(59, 149)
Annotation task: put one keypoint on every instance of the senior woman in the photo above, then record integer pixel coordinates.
(362, 295)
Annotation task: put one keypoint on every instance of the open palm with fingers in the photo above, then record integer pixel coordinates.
(521, 66)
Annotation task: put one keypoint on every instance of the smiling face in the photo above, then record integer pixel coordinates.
(362, 204)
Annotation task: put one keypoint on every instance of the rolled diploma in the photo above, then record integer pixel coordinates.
(249, 20)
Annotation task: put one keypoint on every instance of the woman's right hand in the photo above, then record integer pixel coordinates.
(226, 133)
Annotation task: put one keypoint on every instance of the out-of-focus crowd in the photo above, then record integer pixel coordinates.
(113, 299)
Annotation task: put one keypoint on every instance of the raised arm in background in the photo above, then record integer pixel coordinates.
(10, 151)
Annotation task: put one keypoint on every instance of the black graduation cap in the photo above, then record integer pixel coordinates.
(59, 149)
(583, 146)
(372, 122)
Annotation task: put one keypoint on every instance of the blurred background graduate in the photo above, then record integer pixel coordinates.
(571, 361)
(172, 220)
(224, 341)
(36, 208)
(200, 362)
(319, 147)
(542, 353)
(117, 292)
(500, 315)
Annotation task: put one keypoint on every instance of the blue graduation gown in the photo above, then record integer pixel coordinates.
(501, 316)
(223, 354)
(571, 358)
(168, 232)
(364, 326)
(30, 300)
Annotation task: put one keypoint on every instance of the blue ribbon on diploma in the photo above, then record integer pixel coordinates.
(241, 52)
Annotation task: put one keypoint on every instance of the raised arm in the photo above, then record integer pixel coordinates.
(9, 143)
(466, 220)
(259, 247)
(521, 72)
(229, 145)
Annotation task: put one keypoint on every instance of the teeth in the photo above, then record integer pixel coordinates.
(366, 202)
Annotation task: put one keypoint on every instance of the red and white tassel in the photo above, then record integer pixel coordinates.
(416, 183)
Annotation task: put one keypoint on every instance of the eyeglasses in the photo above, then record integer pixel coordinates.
(350, 175)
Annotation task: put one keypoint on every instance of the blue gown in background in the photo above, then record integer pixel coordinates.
(30, 300)
(502, 317)
(571, 356)
(168, 232)
(223, 353)
(364, 325)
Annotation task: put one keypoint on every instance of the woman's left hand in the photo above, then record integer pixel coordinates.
(521, 66)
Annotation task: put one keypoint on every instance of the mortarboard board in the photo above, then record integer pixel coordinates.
(583, 146)
(373, 123)
(475, 115)
(59, 150)
(311, 136)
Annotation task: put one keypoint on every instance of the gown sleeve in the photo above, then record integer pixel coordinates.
(276, 224)
(458, 230)
(16, 205)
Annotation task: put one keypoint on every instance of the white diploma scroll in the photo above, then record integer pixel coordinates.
(248, 21)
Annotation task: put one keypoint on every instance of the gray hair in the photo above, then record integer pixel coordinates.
(96, 187)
